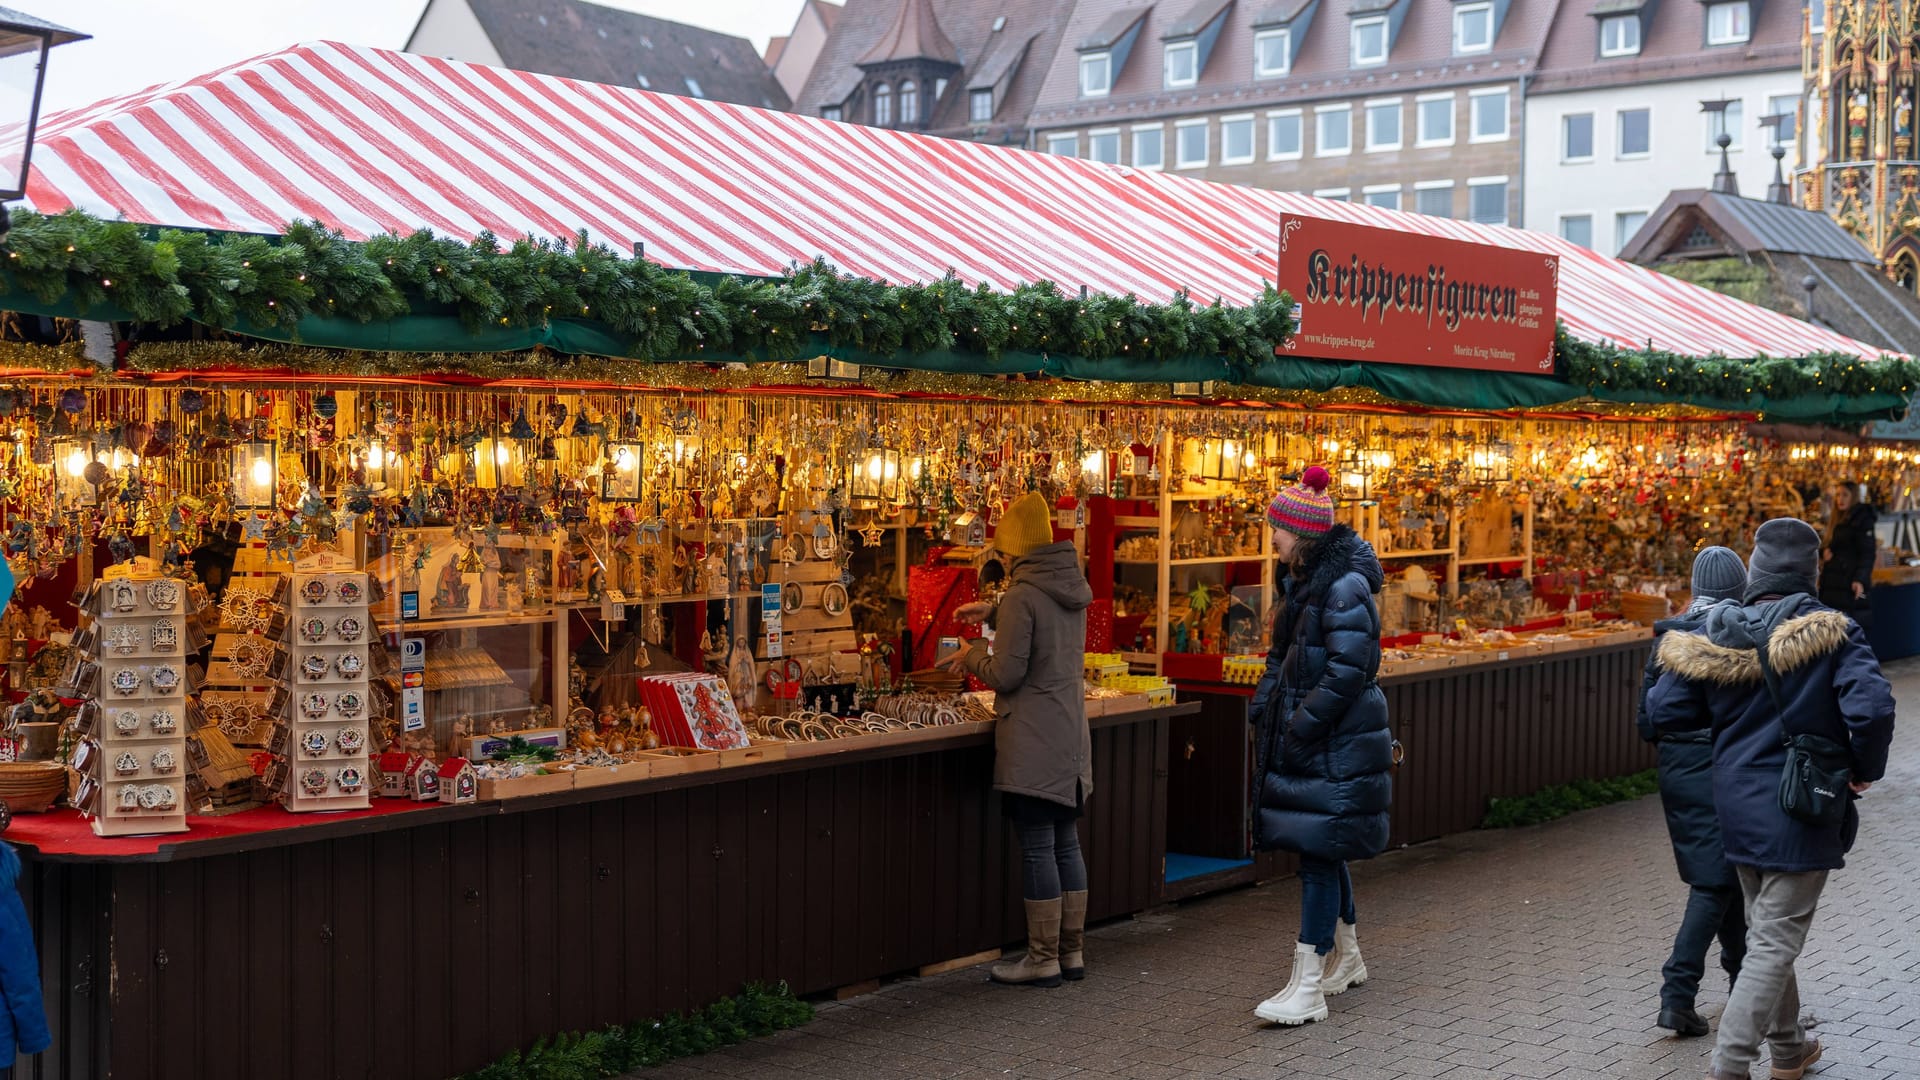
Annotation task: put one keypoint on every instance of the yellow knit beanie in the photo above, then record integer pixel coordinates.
(1026, 527)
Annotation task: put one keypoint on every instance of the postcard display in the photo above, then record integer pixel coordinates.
(136, 747)
(330, 707)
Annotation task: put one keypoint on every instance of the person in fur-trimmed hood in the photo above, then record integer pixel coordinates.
(1824, 681)
(1324, 751)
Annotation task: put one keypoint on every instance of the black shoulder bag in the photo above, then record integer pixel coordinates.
(1813, 784)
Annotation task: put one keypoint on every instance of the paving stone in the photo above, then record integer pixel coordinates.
(1514, 955)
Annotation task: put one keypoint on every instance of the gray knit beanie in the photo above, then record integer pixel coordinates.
(1719, 574)
(1786, 559)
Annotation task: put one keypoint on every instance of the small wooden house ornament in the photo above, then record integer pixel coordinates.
(393, 773)
(969, 529)
(458, 781)
(423, 780)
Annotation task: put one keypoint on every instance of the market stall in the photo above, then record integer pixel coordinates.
(411, 625)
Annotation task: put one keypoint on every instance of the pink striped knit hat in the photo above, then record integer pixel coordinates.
(1304, 509)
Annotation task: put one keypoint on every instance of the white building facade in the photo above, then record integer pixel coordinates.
(1597, 162)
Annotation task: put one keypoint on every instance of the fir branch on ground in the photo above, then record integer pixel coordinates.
(1555, 802)
(757, 1011)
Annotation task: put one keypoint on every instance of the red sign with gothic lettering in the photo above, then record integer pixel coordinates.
(1362, 293)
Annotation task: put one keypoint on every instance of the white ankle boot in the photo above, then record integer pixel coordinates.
(1344, 967)
(1301, 1001)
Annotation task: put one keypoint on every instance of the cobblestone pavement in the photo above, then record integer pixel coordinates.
(1523, 953)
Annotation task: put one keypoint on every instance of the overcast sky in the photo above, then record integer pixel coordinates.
(137, 43)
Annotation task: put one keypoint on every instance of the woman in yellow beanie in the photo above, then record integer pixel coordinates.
(1043, 755)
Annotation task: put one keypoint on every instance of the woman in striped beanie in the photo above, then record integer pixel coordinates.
(1322, 741)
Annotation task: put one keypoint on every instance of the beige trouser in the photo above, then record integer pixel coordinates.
(1765, 1005)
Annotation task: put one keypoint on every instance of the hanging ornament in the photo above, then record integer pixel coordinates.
(326, 406)
(521, 429)
(73, 401)
(192, 402)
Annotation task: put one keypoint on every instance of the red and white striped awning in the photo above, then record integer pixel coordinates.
(371, 141)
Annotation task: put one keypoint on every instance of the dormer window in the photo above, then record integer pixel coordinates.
(1620, 35)
(1729, 23)
(909, 102)
(1472, 29)
(1182, 64)
(1096, 74)
(980, 106)
(1272, 53)
(883, 106)
(1370, 41)
(830, 112)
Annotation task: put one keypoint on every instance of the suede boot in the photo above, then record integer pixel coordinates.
(1300, 1001)
(1073, 935)
(1041, 964)
(1344, 968)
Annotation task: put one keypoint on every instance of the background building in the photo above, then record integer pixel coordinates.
(793, 55)
(598, 44)
(1614, 115)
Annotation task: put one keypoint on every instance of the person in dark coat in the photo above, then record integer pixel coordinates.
(1686, 794)
(1846, 571)
(1042, 750)
(23, 1023)
(1781, 664)
(1322, 744)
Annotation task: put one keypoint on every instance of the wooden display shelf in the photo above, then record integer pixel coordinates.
(1221, 560)
(1492, 560)
(1423, 553)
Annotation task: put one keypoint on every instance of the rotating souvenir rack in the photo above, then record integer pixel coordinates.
(330, 709)
(135, 722)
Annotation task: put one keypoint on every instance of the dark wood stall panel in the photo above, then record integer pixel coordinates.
(425, 948)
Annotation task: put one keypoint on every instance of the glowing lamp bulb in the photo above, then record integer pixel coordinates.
(77, 463)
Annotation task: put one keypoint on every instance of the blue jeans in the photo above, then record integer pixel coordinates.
(1326, 894)
(1710, 913)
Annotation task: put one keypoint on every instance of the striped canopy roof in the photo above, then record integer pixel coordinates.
(370, 140)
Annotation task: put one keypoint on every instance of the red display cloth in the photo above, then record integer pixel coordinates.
(933, 592)
(65, 832)
(1100, 626)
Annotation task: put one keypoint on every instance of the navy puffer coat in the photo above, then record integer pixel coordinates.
(1324, 752)
(1686, 778)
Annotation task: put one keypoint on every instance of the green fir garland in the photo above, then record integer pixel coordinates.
(236, 281)
(1552, 803)
(1671, 376)
(757, 1011)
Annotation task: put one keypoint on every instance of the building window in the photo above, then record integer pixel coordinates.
(1728, 24)
(1817, 16)
(1333, 131)
(1383, 125)
(1182, 64)
(1785, 106)
(1236, 140)
(1472, 28)
(1272, 53)
(1577, 229)
(1620, 35)
(1104, 146)
(1487, 200)
(1067, 145)
(939, 91)
(1576, 137)
(1190, 144)
(693, 86)
(1636, 132)
(1337, 194)
(1625, 224)
(1434, 198)
(980, 106)
(909, 102)
(1729, 121)
(1369, 41)
(830, 112)
(1489, 115)
(1435, 114)
(1096, 74)
(1284, 137)
(883, 106)
(1385, 196)
(1149, 147)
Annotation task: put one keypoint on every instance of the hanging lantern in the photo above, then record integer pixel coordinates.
(1491, 462)
(1221, 459)
(384, 465)
(256, 474)
(1093, 472)
(71, 458)
(620, 472)
(498, 462)
(877, 478)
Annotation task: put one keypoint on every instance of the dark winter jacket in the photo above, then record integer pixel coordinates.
(23, 1023)
(1037, 673)
(1853, 546)
(1323, 747)
(1686, 779)
(1829, 684)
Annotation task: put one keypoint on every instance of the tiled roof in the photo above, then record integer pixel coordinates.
(1672, 45)
(969, 25)
(1750, 226)
(598, 44)
(915, 34)
(1198, 18)
(1114, 27)
(1422, 57)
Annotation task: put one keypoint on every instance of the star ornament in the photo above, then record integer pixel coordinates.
(871, 535)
